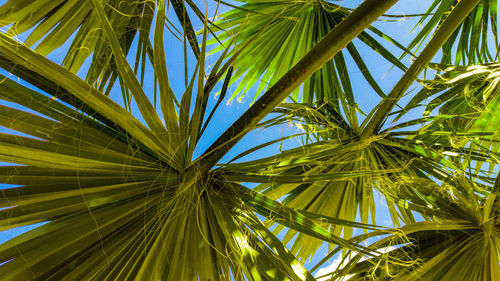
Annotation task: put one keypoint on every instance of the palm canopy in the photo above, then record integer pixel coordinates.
(337, 174)
(458, 241)
(278, 33)
(127, 199)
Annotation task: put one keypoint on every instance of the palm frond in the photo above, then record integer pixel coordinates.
(118, 196)
(380, 113)
(469, 96)
(280, 33)
(124, 201)
(460, 242)
(474, 41)
(469, 93)
(48, 25)
(336, 174)
(330, 45)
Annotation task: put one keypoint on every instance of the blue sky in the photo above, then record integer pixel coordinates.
(229, 112)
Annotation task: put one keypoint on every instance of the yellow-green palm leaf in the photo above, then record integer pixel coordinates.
(122, 199)
(460, 242)
(49, 24)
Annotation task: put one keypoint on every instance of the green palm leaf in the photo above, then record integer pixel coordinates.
(334, 175)
(278, 33)
(337, 174)
(461, 241)
(116, 198)
(474, 41)
(113, 208)
(124, 200)
(469, 95)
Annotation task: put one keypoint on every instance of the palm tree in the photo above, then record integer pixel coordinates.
(125, 197)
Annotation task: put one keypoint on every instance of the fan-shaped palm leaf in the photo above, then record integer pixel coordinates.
(124, 200)
(50, 24)
(279, 33)
(116, 210)
(469, 93)
(474, 41)
(336, 175)
(469, 96)
(461, 242)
